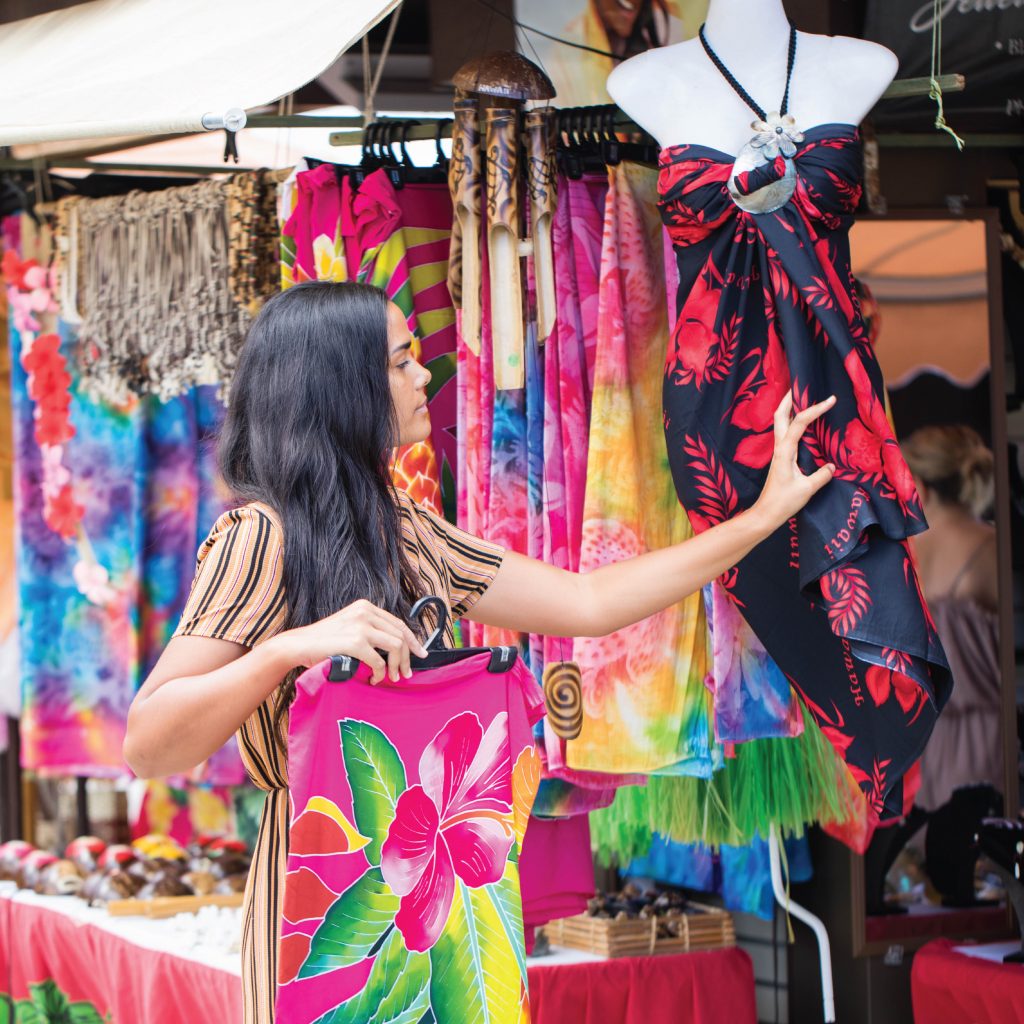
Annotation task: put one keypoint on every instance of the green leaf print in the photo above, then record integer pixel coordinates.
(85, 1013)
(25, 1012)
(376, 776)
(49, 1005)
(475, 977)
(51, 1002)
(442, 368)
(352, 926)
(6, 1009)
(397, 991)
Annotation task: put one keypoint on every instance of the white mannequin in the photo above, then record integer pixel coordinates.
(680, 97)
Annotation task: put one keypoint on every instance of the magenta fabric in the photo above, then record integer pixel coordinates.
(556, 870)
(409, 803)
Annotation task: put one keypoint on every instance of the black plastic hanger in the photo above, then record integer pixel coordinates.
(343, 668)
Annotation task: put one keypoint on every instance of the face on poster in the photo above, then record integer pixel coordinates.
(620, 27)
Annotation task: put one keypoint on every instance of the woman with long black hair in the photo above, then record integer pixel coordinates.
(322, 556)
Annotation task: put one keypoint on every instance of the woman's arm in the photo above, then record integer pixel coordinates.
(532, 597)
(202, 690)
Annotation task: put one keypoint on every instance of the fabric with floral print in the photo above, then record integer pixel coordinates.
(409, 806)
(766, 304)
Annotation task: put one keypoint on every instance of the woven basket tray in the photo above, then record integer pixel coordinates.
(702, 927)
(168, 906)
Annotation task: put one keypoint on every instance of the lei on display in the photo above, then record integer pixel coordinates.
(30, 293)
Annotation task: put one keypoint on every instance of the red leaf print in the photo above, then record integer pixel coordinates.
(818, 294)
(908, 693)
(897, 471)
(755, 450)
(718, 500)
(896, 661)
(847, 594)
(864, 448)
(879, 682)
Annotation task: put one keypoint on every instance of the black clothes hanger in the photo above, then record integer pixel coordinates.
(588, 143)
(502, 659)
(441, 162)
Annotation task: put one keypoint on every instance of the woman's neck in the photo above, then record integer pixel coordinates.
(941, 514)
(742, 30)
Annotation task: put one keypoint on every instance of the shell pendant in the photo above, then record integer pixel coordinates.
(776, 136)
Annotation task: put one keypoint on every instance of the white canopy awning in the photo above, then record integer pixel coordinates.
(154, 67)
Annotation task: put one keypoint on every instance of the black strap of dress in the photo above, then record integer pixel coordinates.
(740, 91)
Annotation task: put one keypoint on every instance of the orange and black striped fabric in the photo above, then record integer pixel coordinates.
(238, 595)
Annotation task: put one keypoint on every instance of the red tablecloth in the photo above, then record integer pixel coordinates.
(951, 988)
(82, 964)
(58, 943)
(690, 988)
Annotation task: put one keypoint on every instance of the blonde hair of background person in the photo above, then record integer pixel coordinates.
(954, 472)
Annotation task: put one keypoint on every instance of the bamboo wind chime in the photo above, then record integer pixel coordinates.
(511, 156)
(508, 156)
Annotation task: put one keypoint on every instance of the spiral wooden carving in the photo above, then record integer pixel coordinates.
(563, 693)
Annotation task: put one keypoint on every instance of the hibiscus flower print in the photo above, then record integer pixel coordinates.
(456, 823)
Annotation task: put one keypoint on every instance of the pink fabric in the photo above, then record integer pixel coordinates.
(409, 805)
(317, 212)
(556, 870)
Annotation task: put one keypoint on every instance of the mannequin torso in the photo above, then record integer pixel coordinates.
(679, 96)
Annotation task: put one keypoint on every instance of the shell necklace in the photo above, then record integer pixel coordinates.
(775, 135)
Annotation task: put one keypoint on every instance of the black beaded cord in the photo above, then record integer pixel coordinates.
(741, 92)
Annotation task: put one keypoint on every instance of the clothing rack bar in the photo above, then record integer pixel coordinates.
(186, 170)
(902, 88)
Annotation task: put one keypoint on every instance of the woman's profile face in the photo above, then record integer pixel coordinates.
(408, 381)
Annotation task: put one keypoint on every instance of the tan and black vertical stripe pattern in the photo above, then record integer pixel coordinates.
(238, 595)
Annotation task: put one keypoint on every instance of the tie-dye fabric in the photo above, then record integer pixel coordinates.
(144, 476)
(569, 357)
(741, 875)
(97, 605)
(79, 657)
(646, 706)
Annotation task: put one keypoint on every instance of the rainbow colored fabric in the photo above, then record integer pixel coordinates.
(144, 475)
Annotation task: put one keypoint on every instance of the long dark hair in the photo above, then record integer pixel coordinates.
(309, 430)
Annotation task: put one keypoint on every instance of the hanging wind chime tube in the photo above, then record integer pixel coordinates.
(507, 333)
(465, 181)
(506, 80)
(542, 184)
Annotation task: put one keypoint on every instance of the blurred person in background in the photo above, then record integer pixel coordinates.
(957, 563)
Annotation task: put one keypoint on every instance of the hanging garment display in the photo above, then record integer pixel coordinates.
(646, 708)
(404, 843)
(741, 875)
(765, 305)
(158, 312)
(253, 239)
(749, 689)
(569, 357)
(109, 504)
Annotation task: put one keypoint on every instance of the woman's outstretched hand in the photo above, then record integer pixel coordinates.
(361, 631)
(787, 489)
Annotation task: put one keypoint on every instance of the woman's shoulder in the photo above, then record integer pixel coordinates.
(254, 524)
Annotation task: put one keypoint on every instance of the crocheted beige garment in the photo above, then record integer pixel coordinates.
(158, 313)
